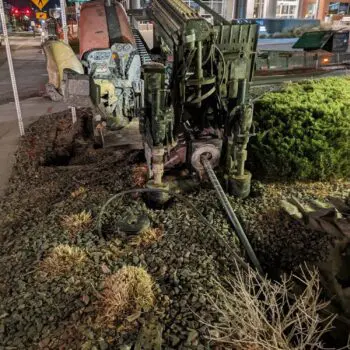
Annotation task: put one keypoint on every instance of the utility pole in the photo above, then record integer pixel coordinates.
(77, 11)
(65, 39)
(11, 69)
(64, 21)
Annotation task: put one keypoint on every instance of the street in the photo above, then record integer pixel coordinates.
(29, 65)
(31, 76)
(277, 44)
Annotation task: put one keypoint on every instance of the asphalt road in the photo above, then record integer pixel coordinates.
(280, 45)
(277, 44)
(30, 69)
(31, 75)
(280, 79)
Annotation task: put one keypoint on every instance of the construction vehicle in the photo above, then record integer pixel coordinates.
(189, 92)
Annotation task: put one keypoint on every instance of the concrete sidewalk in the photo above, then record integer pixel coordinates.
(32, 109)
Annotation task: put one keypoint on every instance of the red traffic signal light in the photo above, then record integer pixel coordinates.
(26, 11)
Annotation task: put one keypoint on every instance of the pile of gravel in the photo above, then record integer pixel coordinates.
(51, 312)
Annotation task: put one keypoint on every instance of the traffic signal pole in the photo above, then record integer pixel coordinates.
(64, 21)
(65, 39)
(12, 72)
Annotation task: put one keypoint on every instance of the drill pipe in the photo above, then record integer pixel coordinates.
(231, 214)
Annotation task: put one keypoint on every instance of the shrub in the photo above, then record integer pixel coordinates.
(258, 314)
(78, 192)
(63, 259)
(147, 237)
(128, 291)
(283, 35)
(303, 131)
(139, 175)
(75, 223)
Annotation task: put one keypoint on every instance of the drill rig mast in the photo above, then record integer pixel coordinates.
(190, 92)
(196, 100)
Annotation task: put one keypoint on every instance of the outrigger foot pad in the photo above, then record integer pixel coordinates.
(157, 199)
(239, 186)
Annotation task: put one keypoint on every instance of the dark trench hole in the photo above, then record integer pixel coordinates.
(343, 275)
(59, 157)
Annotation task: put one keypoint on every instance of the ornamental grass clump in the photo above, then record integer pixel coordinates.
(139, 175)
(75, 223)
(128, 291)
(147, 237)
(63, 259)
(303, 131)
(255, 313)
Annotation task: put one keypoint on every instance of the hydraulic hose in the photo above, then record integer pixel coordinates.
(237, 259)
(231, 214)
(183, 199)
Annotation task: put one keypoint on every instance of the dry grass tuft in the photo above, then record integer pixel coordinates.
(79, 192)
(62, 259)
(125, 293)
(147, 237)
(255, 313)
(139, 175)
(76, 222)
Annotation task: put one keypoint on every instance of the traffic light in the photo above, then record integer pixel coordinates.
(27, 12)
(15, 11)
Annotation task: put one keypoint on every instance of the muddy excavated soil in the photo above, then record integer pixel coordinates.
(58, 174)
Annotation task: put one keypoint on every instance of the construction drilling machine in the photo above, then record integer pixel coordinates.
(189, 93)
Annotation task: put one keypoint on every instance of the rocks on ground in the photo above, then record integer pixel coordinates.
(59, 174)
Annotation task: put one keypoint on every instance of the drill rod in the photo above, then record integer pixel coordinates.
(231, 214)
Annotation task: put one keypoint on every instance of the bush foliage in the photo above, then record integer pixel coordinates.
(303, 131)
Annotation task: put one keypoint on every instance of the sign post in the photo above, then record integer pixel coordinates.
(65, 39)
(74, 114)
(77, 11)
(64, 21)
(12, 72)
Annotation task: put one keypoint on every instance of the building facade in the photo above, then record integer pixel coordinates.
(287, 9)
(231, 9)
(259, 9)
(219, 6)
(320, 9)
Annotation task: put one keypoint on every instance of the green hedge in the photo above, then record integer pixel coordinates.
(303, 131)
